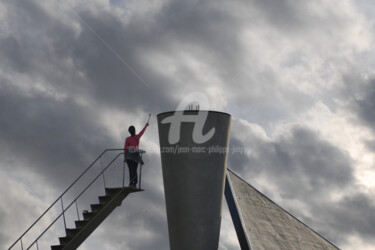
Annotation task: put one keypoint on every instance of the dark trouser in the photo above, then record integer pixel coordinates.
(133, 174)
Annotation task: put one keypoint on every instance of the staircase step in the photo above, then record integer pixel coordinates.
(80, 223)
(88, 215)
(104, 199)
(70, 232)
(64, 240)
(96, 207)
(112, 191)
(57, 247)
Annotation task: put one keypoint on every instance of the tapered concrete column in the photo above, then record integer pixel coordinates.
(194, 154)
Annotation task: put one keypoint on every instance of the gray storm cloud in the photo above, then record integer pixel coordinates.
(64, 64)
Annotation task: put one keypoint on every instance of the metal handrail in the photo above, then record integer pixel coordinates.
(60, 197)
(84, 190)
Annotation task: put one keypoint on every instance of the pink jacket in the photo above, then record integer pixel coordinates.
(132, 142)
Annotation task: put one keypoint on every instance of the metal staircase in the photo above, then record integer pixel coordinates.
(91, 220)
(74, 237)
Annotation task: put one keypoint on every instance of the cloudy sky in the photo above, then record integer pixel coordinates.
(296, 76)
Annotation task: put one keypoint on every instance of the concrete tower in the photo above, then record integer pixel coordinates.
(193, 155)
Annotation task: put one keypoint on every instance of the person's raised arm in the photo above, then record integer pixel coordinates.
(144, 129)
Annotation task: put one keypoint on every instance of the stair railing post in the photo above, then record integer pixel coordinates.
(37, 246)
(123, 175)
(77, 210)
(140, 173)
(101, 164)
(21, 244)
(63, 212)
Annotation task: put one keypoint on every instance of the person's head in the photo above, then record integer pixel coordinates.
(132, 130)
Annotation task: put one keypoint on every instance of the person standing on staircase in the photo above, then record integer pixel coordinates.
(132, 156)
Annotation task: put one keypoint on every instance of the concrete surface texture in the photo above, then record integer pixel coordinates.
(267, 225)
(193, 176)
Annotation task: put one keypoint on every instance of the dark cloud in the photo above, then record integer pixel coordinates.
(365, 105)
(351, 215)
(116, 76)
(280, 13)
(52, 137)
(3, 236)
(370, 144)
(311, 162)
(360, 98)
(58, 70)
(15, 54)
(48, 130)
(304, 167)
(211, 29)
(357, 210)
(105, 52)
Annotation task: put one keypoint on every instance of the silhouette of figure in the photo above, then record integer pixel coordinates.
(132, 156)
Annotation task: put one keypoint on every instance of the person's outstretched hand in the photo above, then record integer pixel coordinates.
(149, 115)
